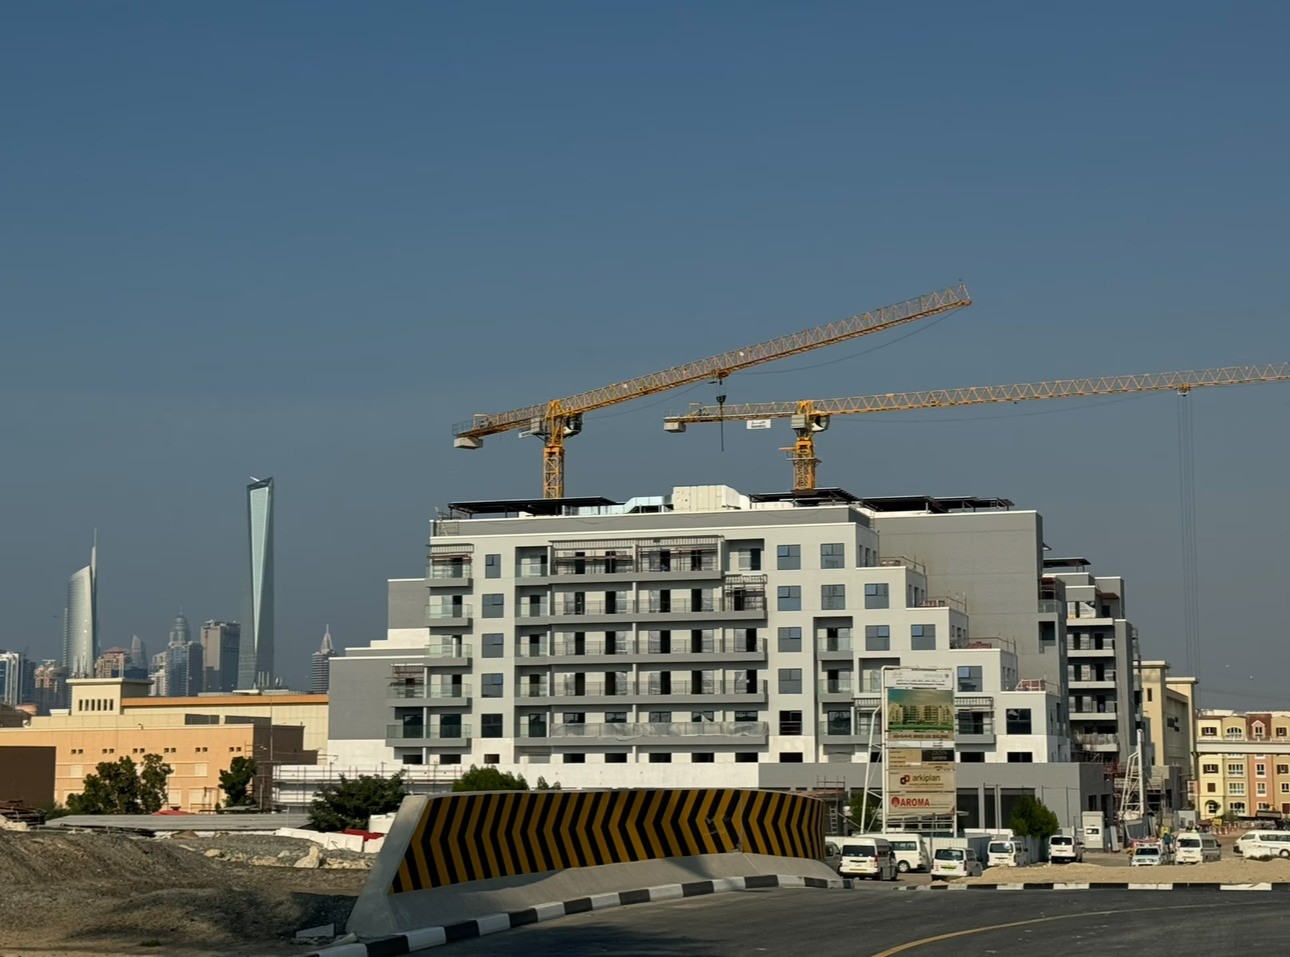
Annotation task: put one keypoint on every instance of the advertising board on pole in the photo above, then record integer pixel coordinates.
(918, 744)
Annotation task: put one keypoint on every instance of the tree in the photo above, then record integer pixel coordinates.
(119, 787)
(488, 778)
(865, 815)
(541, 784)
(349, 803)
(1032, 818)
(236, 781)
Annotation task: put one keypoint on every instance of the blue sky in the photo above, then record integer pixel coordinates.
(303, 239)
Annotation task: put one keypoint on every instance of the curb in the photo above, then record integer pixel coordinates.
(424, 937)
(1103, 886)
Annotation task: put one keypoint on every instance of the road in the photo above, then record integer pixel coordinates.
(881, 922)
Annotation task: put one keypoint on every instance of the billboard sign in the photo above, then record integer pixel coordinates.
(918, 743)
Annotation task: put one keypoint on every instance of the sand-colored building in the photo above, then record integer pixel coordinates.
(198, 737)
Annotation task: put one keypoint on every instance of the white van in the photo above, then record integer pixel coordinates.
(950, 862)
(1065, 848)
(1265, 844)
(1192, 847)
(1005, 852)
(868, 856)
(910, 850)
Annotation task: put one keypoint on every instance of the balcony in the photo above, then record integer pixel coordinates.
(713, 691)
(842, 733)
(1097, 742)
(454, 735)
(567, 693)
(448, 654)
(943, 601)
(1079, 713)
(567, 608)
(898, 561)
(750, 606)
(834, 648)
(572, 652)
(657, 732)
(448, 615)
(430, 696)
(836, 689)
(1052, 606)
(449, 575)
(724, 648)
(1090, 680)
(1089, 649)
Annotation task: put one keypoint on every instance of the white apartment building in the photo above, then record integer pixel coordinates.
(706, 637)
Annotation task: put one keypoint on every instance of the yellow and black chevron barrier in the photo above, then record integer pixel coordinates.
(482, 835)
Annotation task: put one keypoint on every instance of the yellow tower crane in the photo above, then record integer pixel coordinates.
(809, 416)
(556, 420)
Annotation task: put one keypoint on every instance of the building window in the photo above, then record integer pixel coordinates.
(1236, 769)
(790, 757)
(972, 757)
(490, 725)
(970, 679)
(1261, 789)
(833, 597)
(494, 645)
(744, 716)
(750, 560)
(745, 757)
(616, 757)
(1281, 732)
(1260, 770)
(833, 555)
(1235, 733)
(876, 595)
(1283, 769)
(575, 759)
(1020, 757)
(1019, 721)
(494, 606)
(1209, 769)
(837, 722)
(790, 722)
(660, 717)
(790, 597)
(790, 680)
(790, 640)
(491, 686)
(703, 757)
(877, 638)
(1208, 731)
(492, 759)
(788, 557)
(1211, 788)
(1285, 787)
(1258, 731)
(615, 717)
(450, 759)
(492, 566)
(660, 757)
(575, 717)
(922, 637)
(1236, 787)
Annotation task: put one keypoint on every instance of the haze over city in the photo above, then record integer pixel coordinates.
(305, 240)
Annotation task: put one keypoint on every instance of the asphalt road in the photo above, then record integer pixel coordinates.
(882, 922)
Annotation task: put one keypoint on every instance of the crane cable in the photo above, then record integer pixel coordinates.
(1187, 509)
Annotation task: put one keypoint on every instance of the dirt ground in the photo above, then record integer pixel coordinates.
(110, 895)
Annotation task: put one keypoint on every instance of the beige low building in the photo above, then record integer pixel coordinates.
(111, 718)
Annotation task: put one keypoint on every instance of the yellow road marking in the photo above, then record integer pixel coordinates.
(902, 948)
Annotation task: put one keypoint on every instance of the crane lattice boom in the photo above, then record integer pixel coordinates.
(556, 420)
(812, 415)
(985, 394)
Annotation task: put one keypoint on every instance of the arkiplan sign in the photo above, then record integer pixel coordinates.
(918, 743)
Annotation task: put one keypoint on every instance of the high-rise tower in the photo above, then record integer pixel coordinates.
(255, 661)
(221, 646)
(80, 619)
(320, 666)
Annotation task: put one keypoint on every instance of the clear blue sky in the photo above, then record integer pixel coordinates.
(302, 239)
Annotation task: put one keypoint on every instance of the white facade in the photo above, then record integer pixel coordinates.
(714, 631)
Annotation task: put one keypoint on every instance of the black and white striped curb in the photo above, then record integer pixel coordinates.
(1103, 886)
(415, 940)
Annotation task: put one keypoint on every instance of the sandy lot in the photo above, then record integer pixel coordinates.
(107, 895)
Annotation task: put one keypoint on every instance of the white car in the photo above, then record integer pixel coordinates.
(950, 862)
(1149, 855)
(868, 857)
(1065, 848)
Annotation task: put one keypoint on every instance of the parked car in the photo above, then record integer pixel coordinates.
(1065, 848)
(955, 862)
(910, 850)
(1149, 855)
(1192, 847)
(868, 857)
(1007, 853)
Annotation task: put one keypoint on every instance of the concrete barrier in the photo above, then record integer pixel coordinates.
(455, 857)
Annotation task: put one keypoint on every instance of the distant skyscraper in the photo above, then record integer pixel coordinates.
(320, 669)
(138, 654)
(112, 663)
(179, 631)
(255, 662)
(221, 641)
(80, 619)
(14, 689)
(51, 687)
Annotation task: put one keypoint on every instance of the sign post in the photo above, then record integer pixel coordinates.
(918, 747)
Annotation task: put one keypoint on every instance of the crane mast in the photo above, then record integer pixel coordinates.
(810, 416)
(559, 419)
